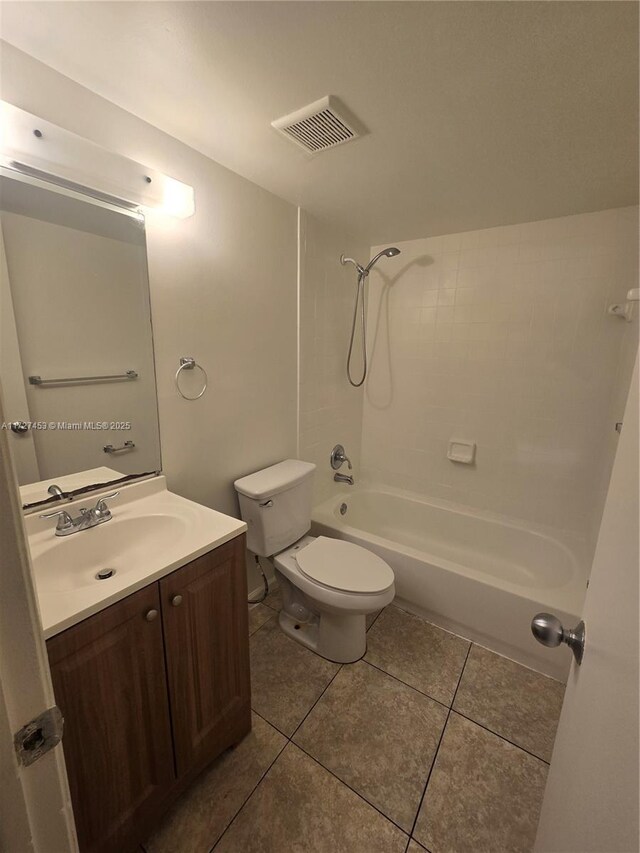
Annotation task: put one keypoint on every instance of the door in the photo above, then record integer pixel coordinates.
(591, 799)
(204, 611)
(35, 806)
(109, 681)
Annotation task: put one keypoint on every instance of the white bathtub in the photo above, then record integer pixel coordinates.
(483, 577)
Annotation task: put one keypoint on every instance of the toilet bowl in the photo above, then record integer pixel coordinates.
(328, 586)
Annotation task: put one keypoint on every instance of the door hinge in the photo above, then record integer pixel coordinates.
(38, 736)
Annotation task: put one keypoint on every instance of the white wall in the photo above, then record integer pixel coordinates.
(223, 289)
(620, 386)
(501, 337)
(330, 408)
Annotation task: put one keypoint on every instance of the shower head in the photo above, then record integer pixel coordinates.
(391, 252)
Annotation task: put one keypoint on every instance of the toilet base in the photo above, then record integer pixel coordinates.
(336, 637)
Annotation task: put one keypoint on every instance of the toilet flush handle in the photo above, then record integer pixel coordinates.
(266, 504)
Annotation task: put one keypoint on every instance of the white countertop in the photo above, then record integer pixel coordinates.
(153, 532)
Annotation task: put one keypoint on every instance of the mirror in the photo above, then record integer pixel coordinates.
(76, 346)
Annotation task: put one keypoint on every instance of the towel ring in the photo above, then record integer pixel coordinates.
(188, 363)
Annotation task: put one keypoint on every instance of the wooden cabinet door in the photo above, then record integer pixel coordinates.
(110, 684)
(204, 612)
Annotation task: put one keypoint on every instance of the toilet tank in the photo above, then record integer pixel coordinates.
(276, 504)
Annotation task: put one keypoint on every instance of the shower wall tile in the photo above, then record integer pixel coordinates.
(330, 409)
(501, 337)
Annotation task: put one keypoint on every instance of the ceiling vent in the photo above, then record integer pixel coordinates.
(318, 126)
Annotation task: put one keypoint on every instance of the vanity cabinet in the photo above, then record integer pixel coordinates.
(152, 689)
(204, 615)
(109, 680)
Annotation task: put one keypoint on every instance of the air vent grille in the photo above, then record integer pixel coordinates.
(320, 131)
(318, 126)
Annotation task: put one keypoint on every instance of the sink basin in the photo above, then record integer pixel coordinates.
(151, 533)
(119, 545)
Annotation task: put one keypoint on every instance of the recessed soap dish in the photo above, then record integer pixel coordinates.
(462, 451)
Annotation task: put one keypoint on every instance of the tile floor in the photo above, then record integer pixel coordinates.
(428, 743)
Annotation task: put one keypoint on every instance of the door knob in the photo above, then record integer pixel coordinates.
(176, 601)
(548, 630)
(150, 615)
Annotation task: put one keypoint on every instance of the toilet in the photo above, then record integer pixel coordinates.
(328, 586)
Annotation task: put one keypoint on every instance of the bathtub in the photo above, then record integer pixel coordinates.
(479, 575)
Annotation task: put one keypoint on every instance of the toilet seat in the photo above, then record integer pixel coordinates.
(344, 566)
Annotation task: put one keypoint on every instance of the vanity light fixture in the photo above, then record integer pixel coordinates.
(38, 148)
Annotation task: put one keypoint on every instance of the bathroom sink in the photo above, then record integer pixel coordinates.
(151, 533)
(118, 545)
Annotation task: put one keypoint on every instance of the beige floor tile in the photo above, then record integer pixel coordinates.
(484, 795)
(300, 807)
(414, 847)
(201, 815)
(286, 678)
(371, 618)
(418, 653)
(515, 702)
(377, 735)
(258, 615)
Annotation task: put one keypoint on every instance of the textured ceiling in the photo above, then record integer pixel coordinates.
(479, 113)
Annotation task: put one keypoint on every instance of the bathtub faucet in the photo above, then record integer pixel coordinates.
(338, 457)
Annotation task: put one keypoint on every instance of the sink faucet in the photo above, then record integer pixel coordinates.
(88, 517)
(56, 492)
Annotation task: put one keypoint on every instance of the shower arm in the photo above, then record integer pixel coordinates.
(361, 270)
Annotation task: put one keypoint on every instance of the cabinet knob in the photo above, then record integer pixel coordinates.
(176, 601)
(150, 615)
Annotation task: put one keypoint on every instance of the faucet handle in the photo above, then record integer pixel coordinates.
(64, 520)
(101, 508)
(338, 457)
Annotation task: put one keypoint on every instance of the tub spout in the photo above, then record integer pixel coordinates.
(343, 478)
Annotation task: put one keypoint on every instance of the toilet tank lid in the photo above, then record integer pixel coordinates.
(277, 478)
